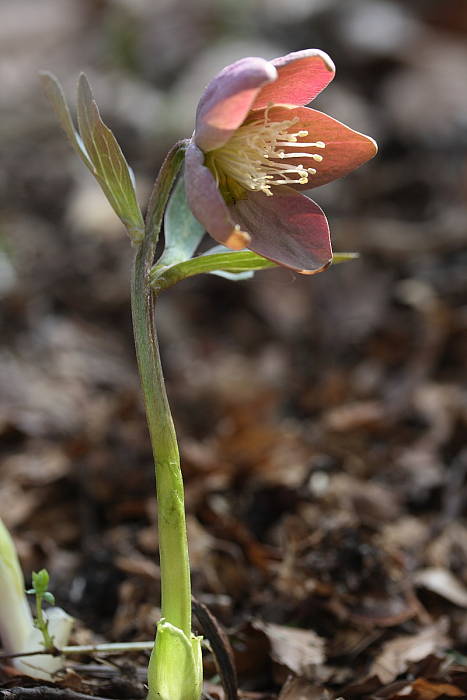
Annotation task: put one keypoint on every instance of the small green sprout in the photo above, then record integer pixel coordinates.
(40, 585)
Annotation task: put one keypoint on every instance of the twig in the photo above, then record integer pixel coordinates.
(454, 495)
(38, 652)
(110, 648)
(220, 644)
(106, 672)
(45, 693)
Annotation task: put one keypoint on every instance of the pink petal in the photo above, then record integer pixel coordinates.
(207, 203)
(345, 149)
(301, 76)
(227, 100)
(287, 228)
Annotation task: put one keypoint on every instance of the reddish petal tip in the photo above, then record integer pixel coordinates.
(315, 272)
(374, 144)
(300, 78)
(345, 149)
(327, 60)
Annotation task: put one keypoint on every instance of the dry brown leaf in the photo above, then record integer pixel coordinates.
(384, 612)
(17, 505)
(40, 465)
(397, 654)
(297, 649)
(300, 689)
(444, 583)
(422, 689)
(358, 415)
(440, 551)
(371, 502)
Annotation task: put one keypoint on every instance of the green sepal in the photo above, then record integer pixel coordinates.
(99, 150)
(231, 264)
(182, 231)
(175, 669)
(183, 234)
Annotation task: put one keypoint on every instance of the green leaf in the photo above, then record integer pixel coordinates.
(40, 581)
(182, 231)
(175, 670)
(111, 168)
(232, 276)
(228, 263)
(54, 92)
(49, 598)
(99, 150)
(232, 262)
(338, 258)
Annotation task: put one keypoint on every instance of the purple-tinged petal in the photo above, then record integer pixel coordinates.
(207, 203)
(344, 151)
(227, 100)
(287, 228)
(301, 76)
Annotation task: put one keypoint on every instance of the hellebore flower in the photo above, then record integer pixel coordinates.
(255, 146)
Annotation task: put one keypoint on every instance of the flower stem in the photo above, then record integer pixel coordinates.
(173, 546)
(42, 624)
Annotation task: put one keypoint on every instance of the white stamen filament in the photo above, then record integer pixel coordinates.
(251, 156)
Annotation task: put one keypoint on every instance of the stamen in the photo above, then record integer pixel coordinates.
(251, 156)
(318, 144)
(315, 156)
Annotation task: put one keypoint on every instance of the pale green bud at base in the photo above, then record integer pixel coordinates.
(175, 669)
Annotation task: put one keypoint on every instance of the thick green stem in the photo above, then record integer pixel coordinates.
(173, 546)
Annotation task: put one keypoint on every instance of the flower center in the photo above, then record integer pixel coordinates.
(255, 159)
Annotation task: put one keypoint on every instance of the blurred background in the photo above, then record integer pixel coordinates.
(322, 420)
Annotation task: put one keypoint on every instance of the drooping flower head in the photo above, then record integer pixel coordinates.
(255, 146)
